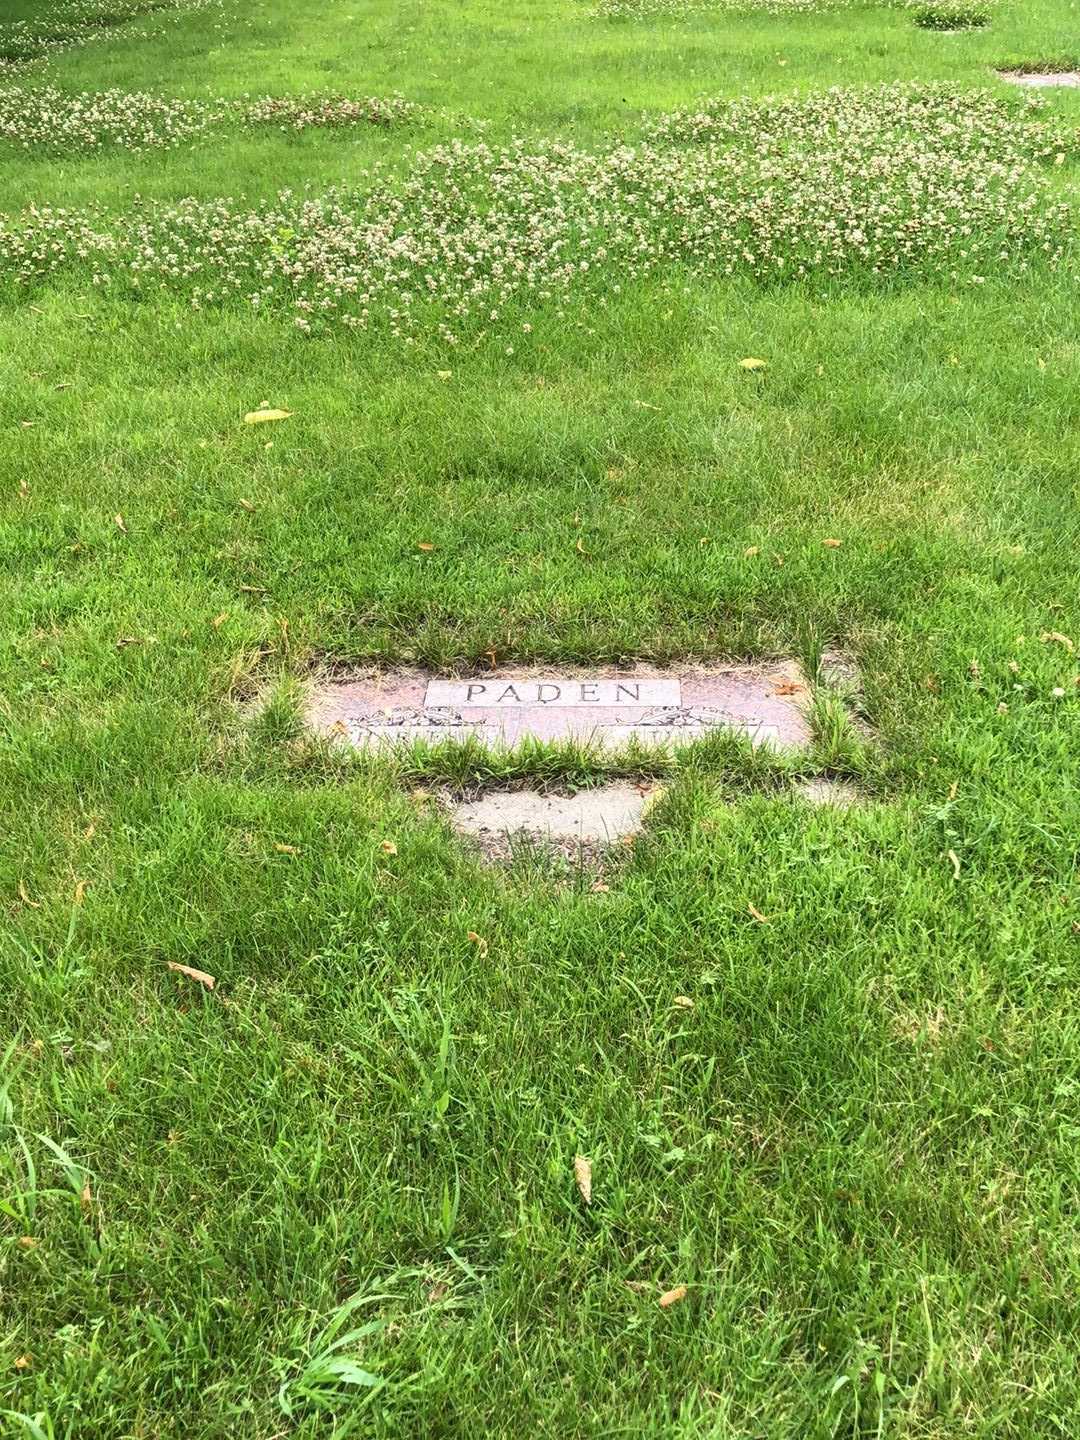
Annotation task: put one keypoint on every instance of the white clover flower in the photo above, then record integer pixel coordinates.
(918, 180)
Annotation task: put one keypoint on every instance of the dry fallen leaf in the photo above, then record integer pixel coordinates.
(425, 545)
(751, 551)
(955, 859)
(599, 888)
(80, 891)
(479, 941)
(752, 363)
(219, 620)
(283, 849)
(388, 847)
(789, 687)
(24, 896)
(583, 1176)
(580, 548)
(1055, 637)
(86, 1199)
(444, 374)
(118, 521)
(832, 544)
(246, 504)
(257, 417)
(27, 1242)
(683, 1002)
(672, 1297)
(758, 916)
(23, 1362)
(200, 975)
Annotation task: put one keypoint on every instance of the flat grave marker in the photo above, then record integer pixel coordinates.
(767, 703)
(1041, 79)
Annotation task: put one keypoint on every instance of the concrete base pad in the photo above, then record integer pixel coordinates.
(594, 816)
(821, 791)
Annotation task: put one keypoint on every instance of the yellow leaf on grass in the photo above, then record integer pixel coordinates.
(23, 1362)
(444, 374)
(388, 847)
(200, 975)
(86, 1199)
(583, 1176)
(683, 1002)
(27, 1242)
(479, 941)
(259, 417)
(24, 896)
(425, 545)
(118, 521)
(751, 551)
(80, 891)
(672, 1297)
(283, 849)
(954, 860)
(246, 504)
(753, 363)
(758, 916)
(832, 544)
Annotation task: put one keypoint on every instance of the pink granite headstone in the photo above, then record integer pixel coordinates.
(766, 703)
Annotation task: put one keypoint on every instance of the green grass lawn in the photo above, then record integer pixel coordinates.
(335, 1196)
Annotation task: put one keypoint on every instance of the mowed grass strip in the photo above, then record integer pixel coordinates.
(336, 1194)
